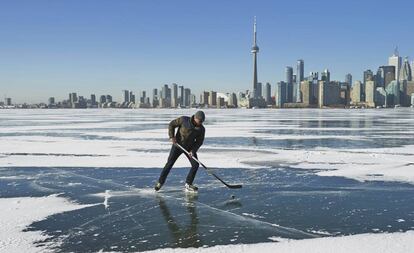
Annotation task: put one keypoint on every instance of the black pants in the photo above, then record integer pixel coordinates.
(175, 152)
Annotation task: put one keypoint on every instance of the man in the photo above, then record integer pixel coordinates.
(190, 135)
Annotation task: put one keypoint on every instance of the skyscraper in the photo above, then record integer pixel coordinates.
(406, 73)
(187, 94)
(356, 92)
(385, 75)
(181, 88)
(126, 96)
(204, 98)
(174, 99)
(348, 79)
(259, 89)
(300, 76)
(93, 99)
(212, 99)
(368, 76)
(326, 76)
(102, 100)
(289, 82)
(155, 97)
(280, 94)
(132, 97)
(255, 50)
(370, 94)
(267, 94)
(395, 60)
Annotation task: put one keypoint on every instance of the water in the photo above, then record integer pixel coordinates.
(276, 201)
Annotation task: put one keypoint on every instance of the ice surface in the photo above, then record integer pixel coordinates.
(326, 140)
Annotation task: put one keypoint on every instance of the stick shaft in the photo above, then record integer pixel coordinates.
(207, 169)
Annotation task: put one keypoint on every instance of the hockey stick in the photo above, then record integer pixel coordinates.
(234, 186)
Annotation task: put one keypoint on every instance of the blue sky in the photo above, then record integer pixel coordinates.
(50, 48)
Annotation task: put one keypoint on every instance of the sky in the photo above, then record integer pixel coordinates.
(54, 47)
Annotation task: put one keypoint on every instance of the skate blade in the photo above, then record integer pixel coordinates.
(190, 191)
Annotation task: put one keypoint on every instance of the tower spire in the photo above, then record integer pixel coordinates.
(255, 50)
(254, 32)
(396, 53)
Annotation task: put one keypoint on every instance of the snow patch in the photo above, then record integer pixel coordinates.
(18, 213)
(363, 243)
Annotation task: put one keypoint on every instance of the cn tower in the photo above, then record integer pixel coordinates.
(255, 50)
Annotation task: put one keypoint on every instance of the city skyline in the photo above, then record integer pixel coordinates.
(50, 49)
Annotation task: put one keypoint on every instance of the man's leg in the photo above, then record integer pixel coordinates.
(175, 152)
(193, 170)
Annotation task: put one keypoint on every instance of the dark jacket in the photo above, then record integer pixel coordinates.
(188, 135)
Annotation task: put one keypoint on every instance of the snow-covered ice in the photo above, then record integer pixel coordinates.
(363, 243)
(363, 145)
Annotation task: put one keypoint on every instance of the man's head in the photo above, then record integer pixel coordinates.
(199, 118)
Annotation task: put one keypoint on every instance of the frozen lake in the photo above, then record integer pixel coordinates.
(306, 173)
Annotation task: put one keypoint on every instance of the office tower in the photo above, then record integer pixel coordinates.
(102, 100)
(187, 94)
(181, 92)
(329, 93)
(132, 97)
(165, 101)
(267, 94)
(204, 98)
(174, 98)
(356, 92)
(313, 76)
(259, 90)
(326, 76)
(51, 101)
(385, 75)
(380, 97)
(405, 73)
(108, 98)
(233, 100)
(143, 97)
(306, 91)
(93, 99)
(348, 79)
(300, 76)
(289, 83)
(254, 50)
(193, 100)
(73, 99)
(368, 75)
(126, 96)
(220, 102)
(212, 99)
(280, 94)
(345, 94)
(395, 60)
(393, 93)
(164, 91)
(370, 93)
(155, 98)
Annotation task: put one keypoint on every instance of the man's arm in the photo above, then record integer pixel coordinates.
(199, 141)
(174, 124)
